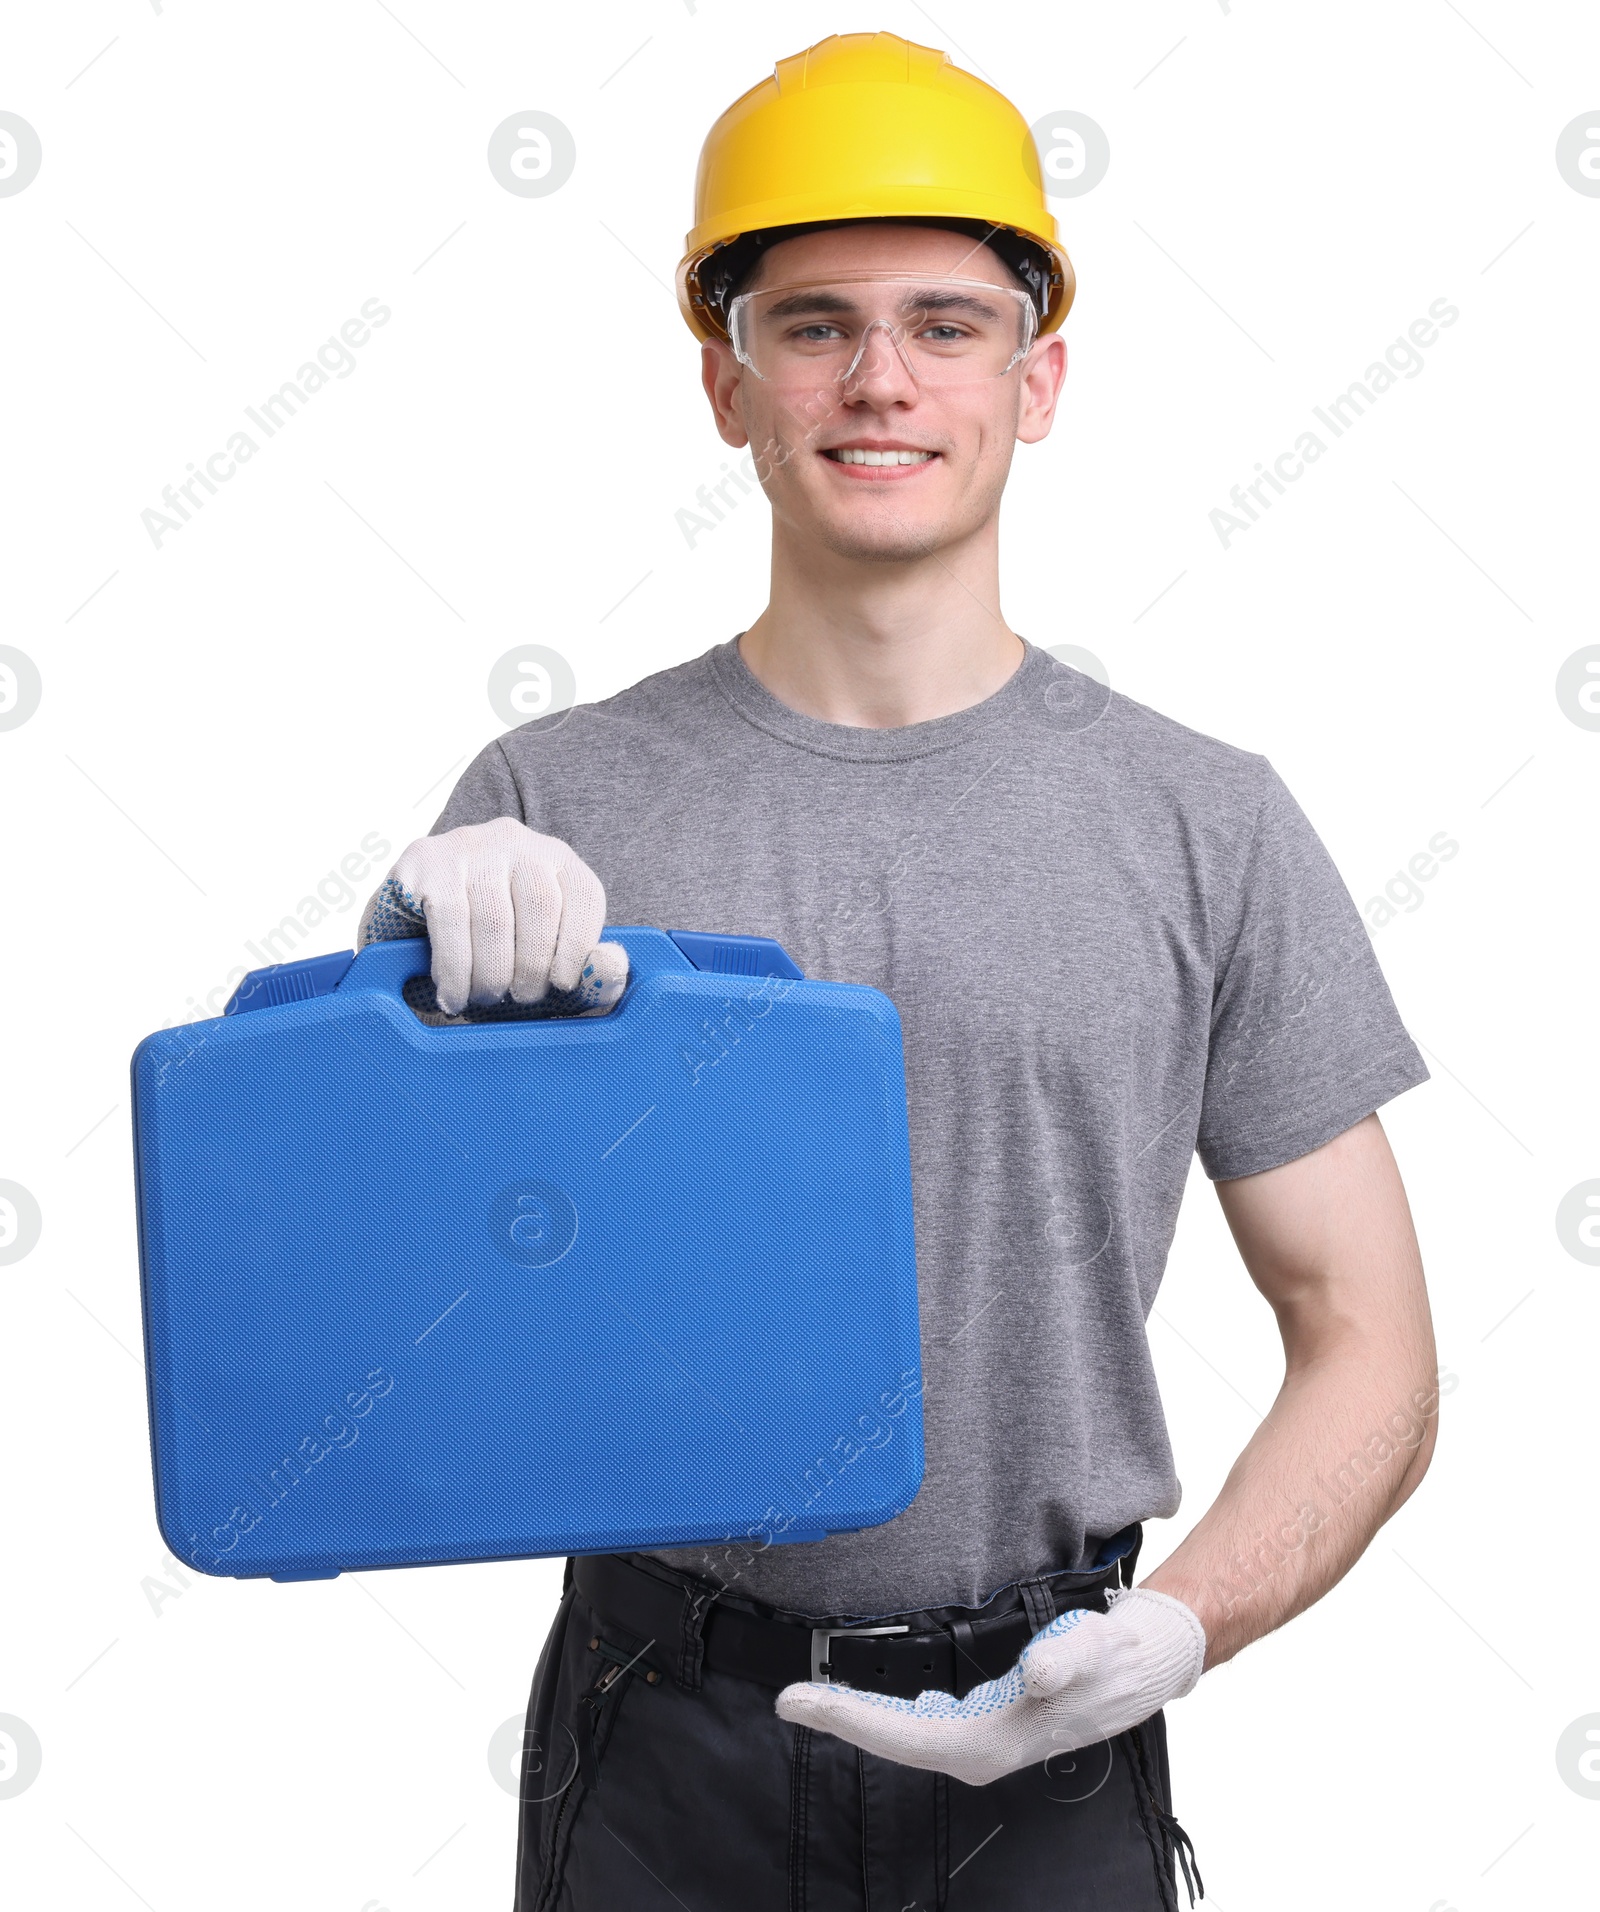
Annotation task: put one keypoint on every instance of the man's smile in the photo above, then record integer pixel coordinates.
(879, 460)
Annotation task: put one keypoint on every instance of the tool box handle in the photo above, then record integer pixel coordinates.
(651, 952)
(387, 967)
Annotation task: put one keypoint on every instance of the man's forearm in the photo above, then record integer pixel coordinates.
(1348, 1438)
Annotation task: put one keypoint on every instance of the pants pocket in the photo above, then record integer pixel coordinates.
(584, 1677)
(614, 1667)
(1148, 1757)
(550, 1762)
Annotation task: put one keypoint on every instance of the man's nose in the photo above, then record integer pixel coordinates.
(880, 373)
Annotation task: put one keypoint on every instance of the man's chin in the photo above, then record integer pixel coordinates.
(881, 542)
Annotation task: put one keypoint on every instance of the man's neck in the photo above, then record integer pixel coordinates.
(878, 645)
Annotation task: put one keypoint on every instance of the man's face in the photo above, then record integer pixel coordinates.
(800, 427)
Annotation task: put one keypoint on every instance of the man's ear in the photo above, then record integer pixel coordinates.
(720, 375)
(1043, 372)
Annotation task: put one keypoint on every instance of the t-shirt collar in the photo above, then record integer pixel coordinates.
(757, 705)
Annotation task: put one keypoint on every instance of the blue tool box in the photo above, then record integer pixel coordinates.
(417, 1294)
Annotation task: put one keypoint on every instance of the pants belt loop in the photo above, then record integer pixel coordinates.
(697, 1604)
(1038, 1602)
(1131, 1558)
(966, 1659)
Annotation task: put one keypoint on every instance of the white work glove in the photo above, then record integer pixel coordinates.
(505, 910)
(1086, 1677)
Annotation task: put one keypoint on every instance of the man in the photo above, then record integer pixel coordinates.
(1112, 942)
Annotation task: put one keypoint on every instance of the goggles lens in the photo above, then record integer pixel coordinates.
(849, 331)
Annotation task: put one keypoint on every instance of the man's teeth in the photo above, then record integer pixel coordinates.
(853, 457)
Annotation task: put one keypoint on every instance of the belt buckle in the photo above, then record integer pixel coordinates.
(820, 1636)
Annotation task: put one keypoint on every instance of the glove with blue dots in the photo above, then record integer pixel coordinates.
(507, 912)
(1084, 1678)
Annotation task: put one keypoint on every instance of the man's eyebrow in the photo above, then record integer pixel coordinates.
(807, 299)
(929, 298)
(942, 299)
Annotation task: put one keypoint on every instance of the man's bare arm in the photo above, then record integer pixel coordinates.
(1328, 1240)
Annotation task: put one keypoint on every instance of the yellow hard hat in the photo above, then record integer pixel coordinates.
(869, 126)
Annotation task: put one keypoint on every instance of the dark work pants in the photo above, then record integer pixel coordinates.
(659, 1791)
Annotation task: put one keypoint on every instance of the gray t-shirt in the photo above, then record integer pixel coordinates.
(1112, 942)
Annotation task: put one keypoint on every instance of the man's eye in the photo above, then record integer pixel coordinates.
(943, 334)
(820, 333)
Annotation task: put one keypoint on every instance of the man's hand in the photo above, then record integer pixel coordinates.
(1086, 1677)
(506, 911)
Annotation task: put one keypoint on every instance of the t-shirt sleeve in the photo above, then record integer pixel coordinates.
(485, 790)
(1305, 1036)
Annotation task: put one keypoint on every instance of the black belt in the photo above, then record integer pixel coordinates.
(885, 1657)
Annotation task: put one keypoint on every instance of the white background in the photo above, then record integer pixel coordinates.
(225, 717)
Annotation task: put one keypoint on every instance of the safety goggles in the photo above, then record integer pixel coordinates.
(849, 330)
